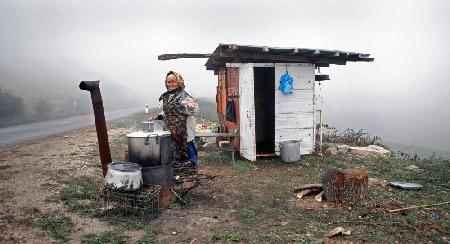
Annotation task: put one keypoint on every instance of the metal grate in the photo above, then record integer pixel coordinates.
(143, 203)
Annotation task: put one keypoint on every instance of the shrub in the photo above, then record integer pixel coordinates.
(10, 104)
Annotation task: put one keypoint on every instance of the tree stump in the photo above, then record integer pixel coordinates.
(345, 185)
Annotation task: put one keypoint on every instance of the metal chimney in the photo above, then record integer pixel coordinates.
(100, 123)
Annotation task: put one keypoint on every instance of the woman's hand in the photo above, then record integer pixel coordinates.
(152, 117)
(192, 104)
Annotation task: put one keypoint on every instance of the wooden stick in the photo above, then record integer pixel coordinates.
(178, 196)
(183, 55)
(413, 207)
(317, 187)
(319, 197)
(304, 193)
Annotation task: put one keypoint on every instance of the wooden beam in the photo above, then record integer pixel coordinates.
(280, 58)
(183, 55)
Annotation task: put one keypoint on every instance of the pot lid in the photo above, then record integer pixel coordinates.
(149, 134)
(125, 166)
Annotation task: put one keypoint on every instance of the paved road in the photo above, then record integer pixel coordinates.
(17, 134)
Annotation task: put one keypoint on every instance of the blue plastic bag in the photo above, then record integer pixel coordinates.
(286, 84)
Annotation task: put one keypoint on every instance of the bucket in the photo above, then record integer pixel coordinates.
(148, 126)
(162, 176)
(290, 151)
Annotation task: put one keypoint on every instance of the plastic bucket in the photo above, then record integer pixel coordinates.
(290, 151)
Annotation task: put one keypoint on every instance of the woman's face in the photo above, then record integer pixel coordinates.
(171, 82)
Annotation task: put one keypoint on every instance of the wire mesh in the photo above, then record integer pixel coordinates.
(143, 203)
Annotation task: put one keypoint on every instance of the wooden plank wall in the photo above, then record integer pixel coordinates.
(228, 86)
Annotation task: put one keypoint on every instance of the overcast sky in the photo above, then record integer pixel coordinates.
(402, 96)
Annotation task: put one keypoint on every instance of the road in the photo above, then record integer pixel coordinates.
(21, 133)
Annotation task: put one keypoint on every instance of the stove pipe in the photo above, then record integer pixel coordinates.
(100, 123)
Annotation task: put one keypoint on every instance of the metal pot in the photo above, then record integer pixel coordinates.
(150, 148)
(148, 126)
(151, 126)
(123, 176)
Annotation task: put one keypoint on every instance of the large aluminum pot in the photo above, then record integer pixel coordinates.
(123, 176)
(150, 149)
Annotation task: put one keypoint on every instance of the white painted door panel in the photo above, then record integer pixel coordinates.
(306, 136)
(294, 113)
(247, 112)
(295, 121)
(290, 107)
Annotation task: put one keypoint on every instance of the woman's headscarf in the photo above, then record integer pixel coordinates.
(180, 81)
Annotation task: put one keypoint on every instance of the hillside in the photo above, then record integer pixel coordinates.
(422, 152)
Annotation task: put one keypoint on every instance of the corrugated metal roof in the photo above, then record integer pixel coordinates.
(234, 53)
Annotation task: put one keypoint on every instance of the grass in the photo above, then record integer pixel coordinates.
(218, 158)
(263, 192)
(148, 237)
(107, 237)
(57, 225)
(82, 196)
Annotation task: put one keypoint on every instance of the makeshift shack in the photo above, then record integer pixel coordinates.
(250, 103)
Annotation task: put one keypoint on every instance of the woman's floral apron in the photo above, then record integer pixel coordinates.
(175, 121)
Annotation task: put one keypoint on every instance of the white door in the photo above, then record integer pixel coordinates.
(247, 112)
(294, 113)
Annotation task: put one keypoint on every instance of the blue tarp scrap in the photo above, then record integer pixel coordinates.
(286, 84)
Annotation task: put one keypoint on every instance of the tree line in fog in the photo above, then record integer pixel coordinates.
(16, 109)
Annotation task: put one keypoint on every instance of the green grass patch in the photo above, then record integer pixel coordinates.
(266, 208)
(107, 237)
(148, 238)
(57, 225)
(82, 196)
(219, 158)
(7, 218)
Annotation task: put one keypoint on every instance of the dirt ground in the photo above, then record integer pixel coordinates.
(33, 174)
(243, 202)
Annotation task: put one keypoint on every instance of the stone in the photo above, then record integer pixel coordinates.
(411, 167)
(342, 148)
(224, 143)
(210, 144)
(331, 151)
(414, 168)
(369, 151)
(377, 182)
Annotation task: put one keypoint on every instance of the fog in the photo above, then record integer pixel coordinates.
(402, 96)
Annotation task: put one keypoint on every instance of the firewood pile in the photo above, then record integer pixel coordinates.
(186, 179)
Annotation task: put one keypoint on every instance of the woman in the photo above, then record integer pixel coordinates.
(178, 110)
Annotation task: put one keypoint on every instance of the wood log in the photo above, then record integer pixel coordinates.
(304, 193)
(345, 185)
(319, 197)
(316, 187)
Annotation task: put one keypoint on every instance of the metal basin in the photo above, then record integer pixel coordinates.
(123, 176)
